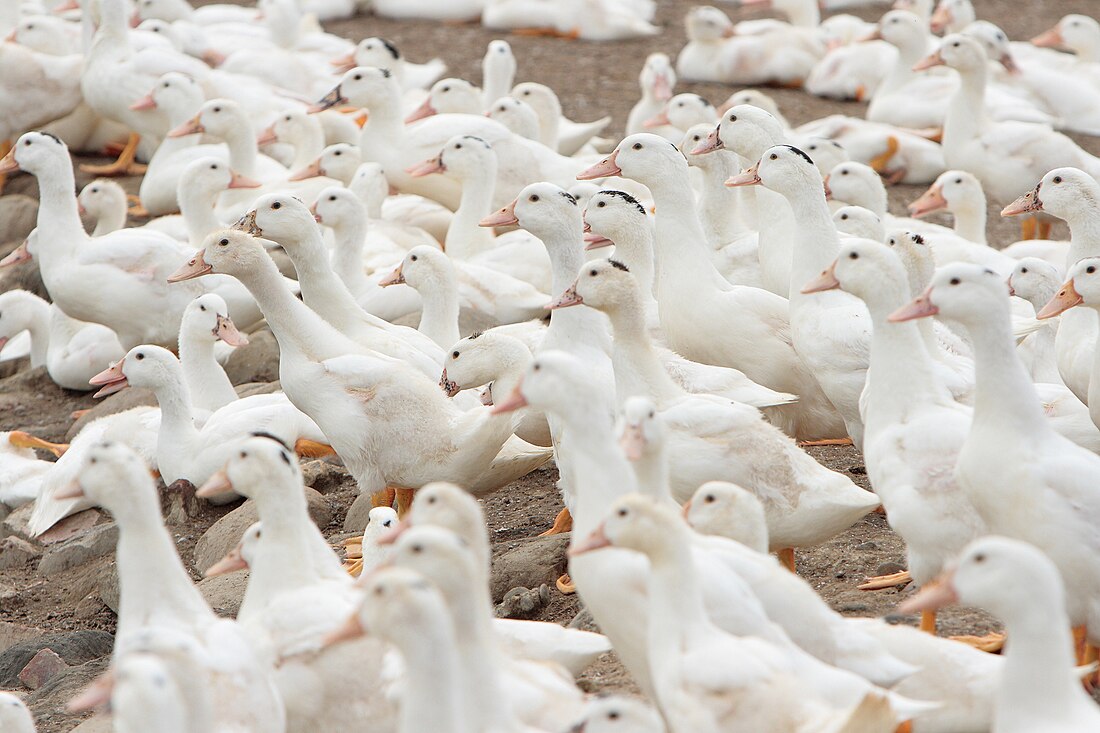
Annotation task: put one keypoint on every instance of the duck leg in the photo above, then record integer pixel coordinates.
(928, 622)
(135, 207)
(124, 166)
(562, 523)
(1045, 227)
(1028, 227)
(20, 439)
(827, 441)
(990, 643)
(404, 501)
(306, 448)
(5, 148)
(881, 582)
(786, 556)
(77, 414)
(384, 497)
(882, 160)
(565, 585)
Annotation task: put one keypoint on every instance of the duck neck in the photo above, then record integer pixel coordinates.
(719, 205)
(40, 331)
(901, 73)
(602, 472)
(205, 379)
(178, 433)
(1004, 395)
(634, 248)
(473, 628)
(241, 141)
(347, 254)
(322, 290)
(431, 700)
(197, 209)
(966, 114)
(680, 244)
(295, 325)
(970, 219)
(283, 558)
(464, 237)
(384, 132)
(804, 15)
(816, 242)
(638, 371)
(151, 578)
(111, 220)
(653, 474)
(676, 609)
(59, 227)
(112, 36)
(439, 315)
(1084, 228)
(309, 143)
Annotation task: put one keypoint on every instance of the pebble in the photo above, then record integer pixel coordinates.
(94, 543)
(528, 563)
(43, 667)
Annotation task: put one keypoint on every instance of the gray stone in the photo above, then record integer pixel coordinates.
(75, 647)
(323, 475)
(18, 216)
(524, 603)
(46, 702)
(12, 634)
(889, 568)
(358, 514)
(113, 404)
(224, 535)
(96, 542)
(70, 526)
(43, 667)
(257, 361)
(97, 724)
(17, 523)
(528, 563)
(583, 621)
(15, 552)
(107, 587)
(254, 388)
(224, 593)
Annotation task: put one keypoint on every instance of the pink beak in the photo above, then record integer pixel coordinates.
(937, 594)
(748, 177)
(825, 281)
(226, 331)
(146, 102)
(195, 267)
(236, 180)
(427, 167)
(216, 485)
(313, 170)
(191, 127)
(921, 307)
(18, 255)
(344, 63)
(595, 241)
(394, 278)
(566, 299)
(389, 537)
(268, 136)
(1067, 297)
(662, 90)
(424, 110)
(232, 562)
(658, 120)
(605, 168)
(929, 201)
(504, 217)
(595, 541)
(633, 442)
(933, 59)
(514, 401)
(712, 143)
(110, 379)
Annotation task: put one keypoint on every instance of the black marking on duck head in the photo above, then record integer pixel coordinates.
(618, 265)
(269, 436)
(805, 157)
(627, 198)
(569, 197)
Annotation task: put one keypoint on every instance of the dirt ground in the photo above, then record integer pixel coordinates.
(592, 80)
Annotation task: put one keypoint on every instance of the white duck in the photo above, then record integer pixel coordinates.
(14, 714)
(619, 714)
(1039, 689)
(1036, 281)
(656, 80)
(205, 324)
(376, 51)
(21, 472)
(684, 265)
(72, 352)
(498, 71)
(516, 115)
(556, 131)
(1012, 457)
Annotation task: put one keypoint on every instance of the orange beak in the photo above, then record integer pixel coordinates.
(605, 168)
(825, 281)
(195, 267)
(110, 380)
(921, 307)
(1063, 300)
(504, 217)
(929, 201)
(8, 164)
(1049, 39)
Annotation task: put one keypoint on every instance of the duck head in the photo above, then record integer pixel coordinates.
(611, 214)
(728, 510)
(260, 461)
(961, 292)
(206, 318)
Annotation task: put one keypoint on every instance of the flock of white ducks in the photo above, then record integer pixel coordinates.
(670, 318)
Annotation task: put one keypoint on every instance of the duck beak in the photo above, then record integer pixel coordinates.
(825, 281)
(331, 99)
(748, 177)
(685, 510)
(501, 218)
(1009, 63)
(729, 32)
(110, 380)
(195, 267)
(96, 695)
(605, 168)
(595, 541)
(3, 342)
(921, 307)
(942, 18)
(191, 127)
(146, 102)
(1029, 202)
(216, 485)
(230, 563)
(514, 401)
(268, 136)
(875, 35)
(351, 629)
(313, 210)
(1063, 300)
(595, 241)
(449, 388)
(658, 120)
(424, 110)
(397, 277)
(66, 6)
(390, 536)
(313, 170)
(344, 63)
(226, 331)
(18, 255)
(213, 57)
(828, 191)
(427, 167)
(236, 180)
(247, 224)
(1008, 282)
(633, 442)
(1049, 39)
(72, 490)
(929, 201)
(937, 594)
(932, 59)
(662, 90)
(712, 143)
(8, 163)
(566, 299)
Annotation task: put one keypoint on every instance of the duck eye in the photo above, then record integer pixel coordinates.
(431, 499)
(458, 146)
(357, 77)
(93, 460)
(534, 198)
(454, 354)
(224, 242)
(536, 367)
(600, 204)
(844, 172)
(214, 167)
(217, 109)
(95, 190)
(1090, 269)
(593, 273)
(844, 217)
(955, 44)
(331, 198)
(732, 118)
(613, 715)
(958, 180)
(277, 205)
(139, 356)
(27, 144)
(773, 156)
(166, 85)
(854, 256)
(338, 152)
(955, 281)
(418, 548)
(980, 557)
(244, 454)
(413, 258)
(622, 512)
(1057, 179)
(710, 498)
(202, 308)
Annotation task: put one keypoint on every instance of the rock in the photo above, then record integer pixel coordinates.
(224, 593)
(867, 546)
(183, 505)
(17, 523)
(256, 361)
(528, 563)
(96, 542)
(358, 514)
(224, 535)
(889, 568)
(15, 552)
(524, 603)
(113, 404)
(52, 697)
(98, 724)
(854, 608)
(18, 216)
(19, 395)
(254, 388)
(43, 667)
(583, 621)
(74, 647)
(12, 634)
(324, 476)
(70, 526)
(107, 587)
